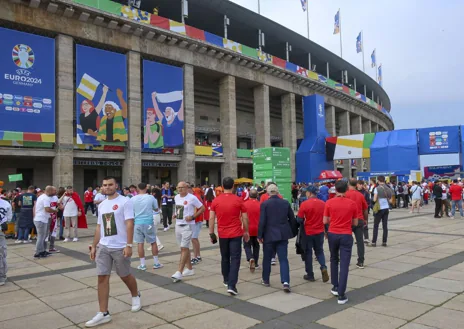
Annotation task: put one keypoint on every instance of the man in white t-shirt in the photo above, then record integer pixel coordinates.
(53, 224)
(383, 195)
(6, 214)
(114, 235)
(70, 214)
(416, 196)
(42, 211)
(185, 215)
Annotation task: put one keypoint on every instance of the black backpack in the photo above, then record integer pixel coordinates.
(400, 189)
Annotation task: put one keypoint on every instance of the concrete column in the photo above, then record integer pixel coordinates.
(186, 170)
(330, 120)
(366, 127)
(356, 124)
(375, 127)
(63, 161)
(262, 116)
(132, 168)
(228, 115)
(345, 129)
(289, 127)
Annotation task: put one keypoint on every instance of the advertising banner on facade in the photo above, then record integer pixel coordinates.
(439, 140)
(349, 147)
(163, 106)
(101, 97)
(442, 172)
(27, 87)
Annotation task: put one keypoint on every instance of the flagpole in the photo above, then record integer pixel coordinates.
(340, 26)
(307, 17)
(259, 7)
(376, 72)
(362, 45)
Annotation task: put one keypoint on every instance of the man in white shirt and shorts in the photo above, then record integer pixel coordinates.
(114, 234)
(185, 215)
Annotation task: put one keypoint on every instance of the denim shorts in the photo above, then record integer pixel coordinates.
(144, 232)
(196, 230)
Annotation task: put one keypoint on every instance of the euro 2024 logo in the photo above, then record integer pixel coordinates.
(320, 111)
(24, 58)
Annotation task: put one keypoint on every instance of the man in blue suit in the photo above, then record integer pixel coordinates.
(274, 232)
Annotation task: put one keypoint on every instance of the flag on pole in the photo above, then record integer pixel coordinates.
(380, 75)
(337, 23)
(304, 4)
(359, 43)
(374, 62)
(88, 86)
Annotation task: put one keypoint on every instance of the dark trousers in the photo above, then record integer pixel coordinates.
(399, 197)
(447, 205)
(281, 249)
(315, 242)
(359, 236)
(91, 205)
(231, 252)
(438, 206)
(406, 201)
(167, 214)
(381, 216)
(366, 231)
(340, 246)
(252, 249)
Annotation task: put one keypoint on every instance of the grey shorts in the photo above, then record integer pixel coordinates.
(196, 230)
(144, 232)
(184, 235)
(105, 259)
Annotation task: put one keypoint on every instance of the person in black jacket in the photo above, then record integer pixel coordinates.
(274, 232)
(437, 193)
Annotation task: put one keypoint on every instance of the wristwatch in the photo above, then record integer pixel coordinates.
(129, 245)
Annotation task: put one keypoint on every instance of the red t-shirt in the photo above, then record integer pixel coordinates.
(456, 192)
(312, 210)
(199, 218)
(88, 196)
(341, 211)
(265, 197)
(207, 209)
(360, 201)
(253, 209)
(228, 208)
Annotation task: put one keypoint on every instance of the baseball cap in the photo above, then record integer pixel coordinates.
(311, 189)
(38, 190)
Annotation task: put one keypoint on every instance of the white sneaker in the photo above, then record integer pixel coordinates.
(66, 240)
(18, 241)
(2, 283)
(176, 276)
(136, 303)
(165, 229)
(98, 319)
(46, 239)
(27, 241)
(75, 239)
(188, 272)
(160, 247)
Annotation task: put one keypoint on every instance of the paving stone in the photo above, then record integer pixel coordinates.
(27, 270)
(356, 281)
(7, 287)
(217, 319)
(413, 325)
(152, 296)
(14, 297)
(92, 272)
(352, 318)
(450, 275)
(93, 281)
(179, 308)
(427, 254)
(394, 266)
(84, 312)
(68, 264)
(166, 326)
(457, 303)
(49, 320)
(395, 307)
(442, 318)
(139, 320)
(207, 282)
(421, 295)
(24, 308)
(316, 289)
(440, 284)
(50, 285)
(374, 273)
(71, 298)
(284, 302)
(120, 288)
(248, 290)
(408, 259)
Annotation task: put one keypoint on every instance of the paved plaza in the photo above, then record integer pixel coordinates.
(417, 282)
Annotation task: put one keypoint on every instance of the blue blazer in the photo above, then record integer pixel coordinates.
(274, 220)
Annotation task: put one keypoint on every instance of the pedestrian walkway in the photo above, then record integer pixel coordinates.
(417, 282)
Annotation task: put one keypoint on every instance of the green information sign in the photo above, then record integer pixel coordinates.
(15, 178)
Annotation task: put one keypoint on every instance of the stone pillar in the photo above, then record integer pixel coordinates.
(262, 116)
(186, 170)
(356, 124)
(330, 120)
(375, 127)
(63, 161)
(345, 129)
(132, 168)
(366, 127)
(289, 127)
(228, 115)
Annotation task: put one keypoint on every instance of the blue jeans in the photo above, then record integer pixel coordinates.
(61, 226)
(453, 207)
(315, 242)
(270, 249)
(231, 252)
(340, 244)
(23, 234)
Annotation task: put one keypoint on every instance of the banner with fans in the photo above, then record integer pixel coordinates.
(349, 147)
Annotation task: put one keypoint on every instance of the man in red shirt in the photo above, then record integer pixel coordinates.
(88, 199)
(341, 214)
(311, 214)
(232, 226)
(358, 230)
(456, 198)
(251, 247)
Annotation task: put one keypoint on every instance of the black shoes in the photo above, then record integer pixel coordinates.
(334, 291)
(373, 244)
(232, 291)
(360, 265)
(286, 287)
(264, 283)
(342, 300)
(325, 275)
(309, 278)
(384, 244)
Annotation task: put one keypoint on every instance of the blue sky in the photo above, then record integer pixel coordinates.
(417, 42)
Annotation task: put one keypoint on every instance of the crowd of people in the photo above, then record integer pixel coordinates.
(237, 216)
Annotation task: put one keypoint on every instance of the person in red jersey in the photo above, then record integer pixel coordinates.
(88, 199)
(456, 198)
(341, 214)
(358, 230)
(311, 215)
(232, 222)
(251, 247)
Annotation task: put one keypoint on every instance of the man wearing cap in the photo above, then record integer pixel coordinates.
(274, 232)
(311, 215)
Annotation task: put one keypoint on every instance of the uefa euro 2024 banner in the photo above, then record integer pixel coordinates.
(439, 140)
(27, 87)
(101, 89)
(163, 104)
